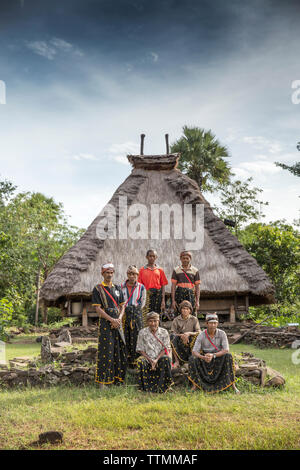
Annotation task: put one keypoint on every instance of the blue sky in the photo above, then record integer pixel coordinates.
(85, 78)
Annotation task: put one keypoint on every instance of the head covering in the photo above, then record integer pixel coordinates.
(133, 269)
(211, 317)
(185, 303)
(186, 253)
(152, 315)
(106, 267)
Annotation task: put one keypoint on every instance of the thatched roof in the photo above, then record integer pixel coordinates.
(226, 268)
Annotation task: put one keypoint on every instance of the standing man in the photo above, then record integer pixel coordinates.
(154, 279)
(185, 283)
(111, 356)
(135, 298)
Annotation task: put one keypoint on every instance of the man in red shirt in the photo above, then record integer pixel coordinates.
(154, 279)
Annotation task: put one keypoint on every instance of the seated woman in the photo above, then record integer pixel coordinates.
(211, 366)
(154, 365)
(184, 331)
(135, 298)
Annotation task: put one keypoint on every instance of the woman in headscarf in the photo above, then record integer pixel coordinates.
(211, 365)
(154, 279)
(185, 283)
(154, 365)
(135, 298)
(184, 331)
(111, 356)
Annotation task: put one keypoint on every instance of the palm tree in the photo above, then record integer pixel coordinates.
(202, 157)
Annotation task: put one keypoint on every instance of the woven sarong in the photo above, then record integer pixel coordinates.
(213, 376)
(133, 323)
(184, 293)
(183, 351)
(158, 380)
(153, 303)
(111, 355)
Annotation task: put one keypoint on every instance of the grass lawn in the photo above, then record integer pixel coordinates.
(123, 418)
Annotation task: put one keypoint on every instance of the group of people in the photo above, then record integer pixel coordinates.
(130, 337)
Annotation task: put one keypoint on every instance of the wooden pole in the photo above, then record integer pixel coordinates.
(84, 317)
(251, 329)
(167, 143)
(142, 144)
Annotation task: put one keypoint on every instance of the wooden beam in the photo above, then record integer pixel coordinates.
(84, 317)
(232, 314)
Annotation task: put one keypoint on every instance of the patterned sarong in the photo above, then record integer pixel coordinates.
(184, 293)
(213, 376)
(133, 323)
(111, 355)
(158, 380)
(182, 350)
(153, 303)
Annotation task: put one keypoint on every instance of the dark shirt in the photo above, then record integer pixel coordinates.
(115, 292)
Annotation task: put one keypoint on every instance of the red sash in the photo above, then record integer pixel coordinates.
(131, 294)
(114, 301)
(165, 349)
(211, 341)
(188, 278)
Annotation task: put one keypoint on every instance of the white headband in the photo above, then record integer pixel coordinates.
(211, 317)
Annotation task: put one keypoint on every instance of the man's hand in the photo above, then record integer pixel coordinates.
(115, 323)
(163, 306)
(153, 364)
(174, 306)
(208, 357)
(185, 338)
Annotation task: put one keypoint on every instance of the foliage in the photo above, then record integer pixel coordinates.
(202, 157)
(282, 314)
(34, 234)
(6, 310)
(240, 203)
(294, 169)
(276, 249)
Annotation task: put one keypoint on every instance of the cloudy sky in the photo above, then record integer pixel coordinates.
(84, 78)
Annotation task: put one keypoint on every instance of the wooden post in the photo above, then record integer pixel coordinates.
(84, 317)
(247, 304)
(232, 314)
(37, 297)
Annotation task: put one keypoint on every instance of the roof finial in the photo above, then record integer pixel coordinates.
(142, 144)
(167, 143)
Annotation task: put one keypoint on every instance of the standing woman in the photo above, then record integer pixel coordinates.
(211, 365)
(154, 365)
(154, 279)
(135, 298)
(111, 356)
(185, 283)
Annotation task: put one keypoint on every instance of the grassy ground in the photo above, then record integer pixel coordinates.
(123, 418)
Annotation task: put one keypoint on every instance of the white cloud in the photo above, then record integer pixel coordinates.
(154, 56)
(120, 151)
(42, 48)
(261, 143)
(84, 156)
(51, 48)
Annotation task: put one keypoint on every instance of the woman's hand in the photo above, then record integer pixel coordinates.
(185, 338)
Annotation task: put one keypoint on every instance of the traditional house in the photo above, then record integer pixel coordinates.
(231, 279)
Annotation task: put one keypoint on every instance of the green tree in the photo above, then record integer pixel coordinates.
(202, 158)
(34, 233)
(294, 169)
(276, 249)
(240, 203)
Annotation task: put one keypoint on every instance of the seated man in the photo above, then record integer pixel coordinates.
(184, 331)
(154, 366)
(211, 366)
